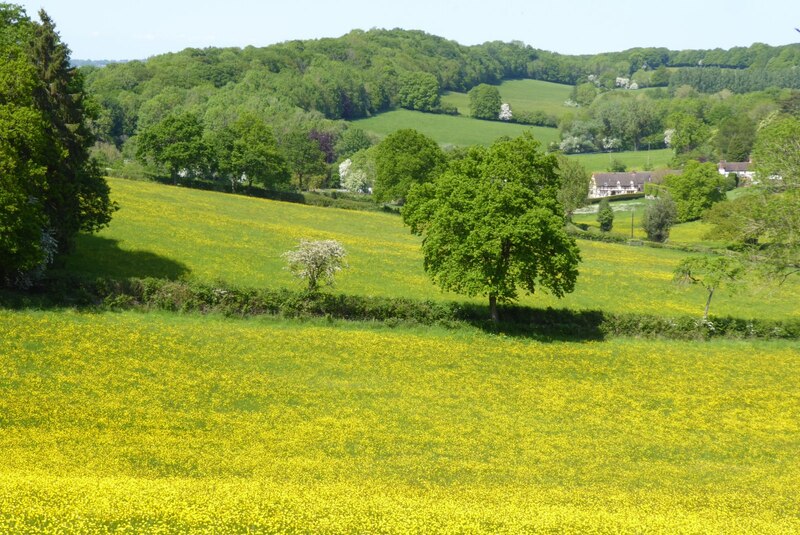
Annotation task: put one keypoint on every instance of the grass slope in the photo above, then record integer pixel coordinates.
(523, 96)
(634, 160)
(450, 130)
(163, 423)
(173, 232)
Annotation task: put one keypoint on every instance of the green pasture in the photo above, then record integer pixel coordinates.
(173, 232)
(523, 96)
(640, 160)
(452, 130)
(691, 233)
(163, 423)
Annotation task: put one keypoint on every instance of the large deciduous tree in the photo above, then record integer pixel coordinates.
(418, 91)
(247, 150)
(492, 224)
(485, 102)
(176, 143)
(77, 196)
(695, 190)
(305, 157)
(402, 159)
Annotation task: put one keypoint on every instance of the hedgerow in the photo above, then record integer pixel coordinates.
(220, 298)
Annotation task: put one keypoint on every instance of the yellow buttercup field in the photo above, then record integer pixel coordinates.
(163, 423)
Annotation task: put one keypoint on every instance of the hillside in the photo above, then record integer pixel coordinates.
(173, 232)
(451, 131)
(526, 96)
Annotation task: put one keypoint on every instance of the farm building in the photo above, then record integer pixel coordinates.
(744, 170)
(610, 184)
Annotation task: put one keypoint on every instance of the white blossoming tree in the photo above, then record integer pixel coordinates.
(505, 112)
(316, 262)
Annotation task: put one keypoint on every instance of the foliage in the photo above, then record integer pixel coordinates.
(574, 190)
(695, 190)
(247, 150)
(485, 102)
(357, 175)
(316, 262)
(50, 188)
(492, 223)
(689, 132)
(616, 165)
(735, 138)
(710, 272)
(658, 218)
(418, 91)
(176, 143)
(351, 141)
(766, 223)
(605, 215)
(403, 159)
(305, 158)
(777, 154)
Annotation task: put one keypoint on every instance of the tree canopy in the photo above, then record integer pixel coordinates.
(485, 102)
(50, 188)
(404, 158)
(492, 224)
(176, 142)
(695, 190)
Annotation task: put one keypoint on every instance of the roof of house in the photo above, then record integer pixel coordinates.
(638, 178)
(735, 167)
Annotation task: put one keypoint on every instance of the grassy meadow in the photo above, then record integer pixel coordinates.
(131, 422)
(691, 233)
(634, 160)
(164, 231)
(452, 130)
(523, 96)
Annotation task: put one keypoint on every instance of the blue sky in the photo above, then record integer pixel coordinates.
(108, 29)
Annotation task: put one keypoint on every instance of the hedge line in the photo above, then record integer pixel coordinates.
(549, 323)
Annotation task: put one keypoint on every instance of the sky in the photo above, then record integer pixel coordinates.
(109, 29)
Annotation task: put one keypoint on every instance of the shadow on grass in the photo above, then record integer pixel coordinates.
(544, 325)
(95, 256)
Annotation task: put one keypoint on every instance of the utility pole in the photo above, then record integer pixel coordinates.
(632, 212)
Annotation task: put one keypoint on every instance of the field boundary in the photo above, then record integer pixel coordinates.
(147, 294)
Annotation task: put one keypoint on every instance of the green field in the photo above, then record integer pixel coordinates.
(523, 96)
(130, 422)
(691, 233)
(451, 130)
(174, 232)
(634, 160)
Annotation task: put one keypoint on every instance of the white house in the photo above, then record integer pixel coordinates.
(610, 184)
(744, 170)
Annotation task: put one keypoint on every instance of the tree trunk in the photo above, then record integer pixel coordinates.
(708, 304)
(493, 308)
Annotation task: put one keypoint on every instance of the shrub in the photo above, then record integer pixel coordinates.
(316, 262)
(605, 215)
(659, 216)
